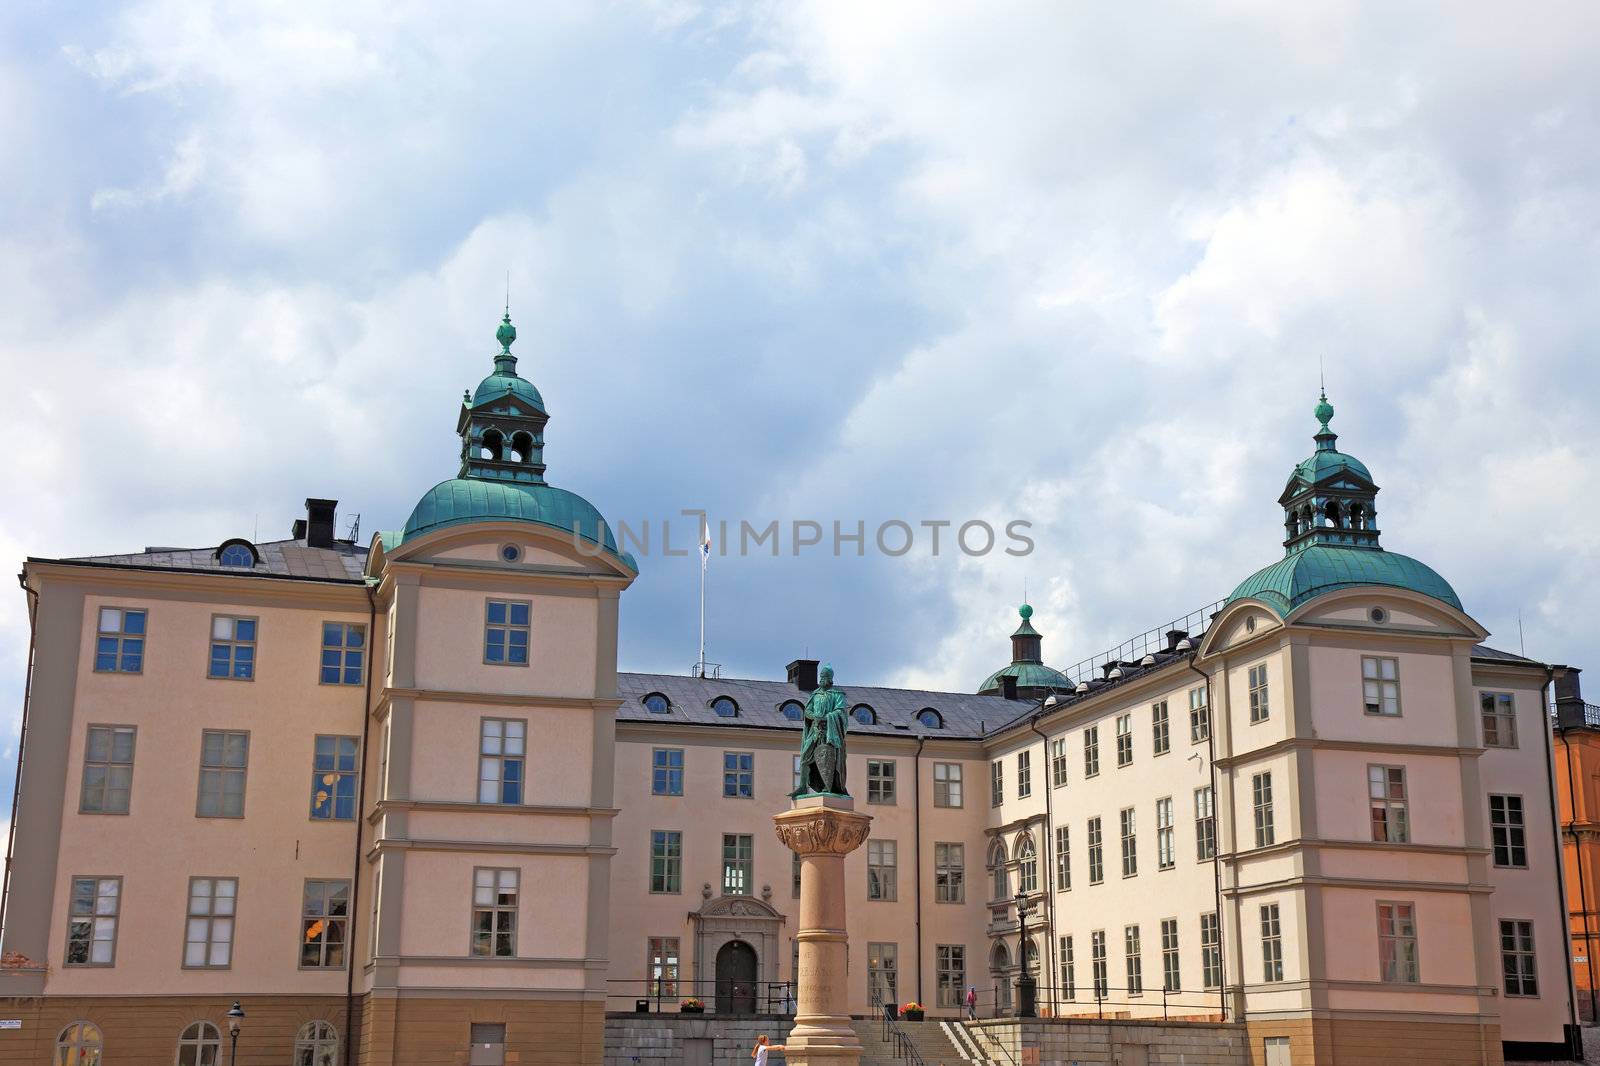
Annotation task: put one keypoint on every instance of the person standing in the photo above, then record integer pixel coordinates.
(972, 1003)
(762, 1048)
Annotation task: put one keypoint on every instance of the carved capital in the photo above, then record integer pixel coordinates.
(821, 831)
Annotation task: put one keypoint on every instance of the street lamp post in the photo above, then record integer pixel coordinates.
(235, 1016)
(1027, 987)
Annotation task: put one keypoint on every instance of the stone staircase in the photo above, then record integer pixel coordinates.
(928, 1037)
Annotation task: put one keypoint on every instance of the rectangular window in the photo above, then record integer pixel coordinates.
(1160, 728)
(1130, 942)
(951, 963)
(1165, 847)
(1130, 851)
(1205, 824)
(794, 873)
(1386, 795)
(947, 784)
(107, 770)
(494, 913)
(1499, 720)
(1024, 774)
(1397, 943)
(661, 964)
(739, 774)
(333, 778)
(1027, 867)
(1258, 694)
(224, 760)
(1096, 853)
(1069, 971)
(119, 643)
(208, 933)
(666, 861)
(505, 632)
(1380, 685)
(1063, 859)
(233, 648)
(1210, 951)
(1516, 958)
(1091, 751)
(92, 913)
(880, 781)
(1097, 962)
(997, 783)
(1261, 792)
(881, 870)
(1507, 831)
(344, 652)
(666, 771)
(949, 873)
(1199, 716)
(882, 980)
(502, 747)
(1171, 977)
(1124, 739)
(1058, 762)
(1271, 944)
(738, 863)
(324, 924)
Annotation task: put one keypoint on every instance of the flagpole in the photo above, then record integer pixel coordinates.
(705, 555)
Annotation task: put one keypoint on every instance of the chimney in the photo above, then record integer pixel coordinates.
(1173, 637)
(1008, 686)
(319, 523)
(1569, 700)
(803, 674)
(299, 530)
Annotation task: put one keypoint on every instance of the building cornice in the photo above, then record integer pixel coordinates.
(201, 586)
(384, 806)
(1227, 762)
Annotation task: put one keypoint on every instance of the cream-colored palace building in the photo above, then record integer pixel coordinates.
(399, 803)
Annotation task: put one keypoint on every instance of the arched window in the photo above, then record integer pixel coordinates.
(236, 553)
(521, 447)
(864, 714)
(725, 707)
(1027, 866)
(79, 1045)
(1356, 513)
(930, 718)
(317, 1044)
(656, 703)
(793, 710)
(200, 1045)
(1002, 878)
(1030, 953)
(493, 444)
(1000, 957)
(1330, 511)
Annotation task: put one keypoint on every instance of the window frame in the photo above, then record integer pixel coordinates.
(1027, 865)
(1127, 825)
(671, 860)
(233, 643)
(1091, 751)
(1133, 957)
(494, 909)
(1097, 963)
(950, 864)
(887, 967)
(1205, 824)
(741, 775)
(1171, 962)
(1166, 835)
(950, 960)
(121, 635)
(1063, 844)
(1390, 938)
(108, 763)
(885, 782)
(343, 651)
(200, 1042)
(223, 768)
(1260, 706)
(340, 775)
(1058, 762)
(1160, 728)
(664, 772)
(1199, 715)
(328, 918)
(997, 783)
(883, 873)
(1210, 950)
(1271, 929)
(1068, 967)
(658, 956)
(93, 915)
(1263, 815)
(1097, 851)
(1388, 805)
(948, 782)
(1516, 834)
(210, 918)
(745, 861)
(500, 759)
(1489, 702)
(1024, 773)
(507, 629)
(1529, 974)
(1124, 734)
(1378, 679)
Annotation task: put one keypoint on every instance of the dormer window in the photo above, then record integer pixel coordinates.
(240, 553)
(725, 707)
(864, 714)
(930, 718)
(656, 703)
(793, 710)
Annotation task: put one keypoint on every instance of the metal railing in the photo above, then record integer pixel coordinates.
(724, 997)
(1089, 1001)
(893, 1033)
(1147, 643)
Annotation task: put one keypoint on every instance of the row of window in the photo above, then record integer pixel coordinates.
(793, 710)
(738, 777)
(662, 968)
(108, 756)
(121, 633)
(200, 1044)
(94, 914)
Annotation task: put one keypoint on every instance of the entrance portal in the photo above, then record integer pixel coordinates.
(736, 978)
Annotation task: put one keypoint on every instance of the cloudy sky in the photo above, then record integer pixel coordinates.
(830, 262)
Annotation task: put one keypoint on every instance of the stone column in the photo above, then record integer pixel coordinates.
(822, 830)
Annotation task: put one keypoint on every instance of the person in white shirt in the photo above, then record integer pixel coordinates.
(760, 1051)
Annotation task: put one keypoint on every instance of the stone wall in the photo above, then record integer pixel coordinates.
(666, 1039)
(1092, 1042)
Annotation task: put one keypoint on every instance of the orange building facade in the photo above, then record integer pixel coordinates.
(1577, 754)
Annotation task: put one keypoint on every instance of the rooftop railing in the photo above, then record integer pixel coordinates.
(1147, 643)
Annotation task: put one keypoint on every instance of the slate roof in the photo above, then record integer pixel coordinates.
(965, 715)
(279, 558)
(1484, 653)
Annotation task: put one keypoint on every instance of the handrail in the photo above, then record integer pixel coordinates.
(892, 1032)
(1141, 644)
(664, 994)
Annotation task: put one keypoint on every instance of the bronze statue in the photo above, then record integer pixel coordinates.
(822, 762)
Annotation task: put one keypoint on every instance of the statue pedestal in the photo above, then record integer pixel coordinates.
(822, 830)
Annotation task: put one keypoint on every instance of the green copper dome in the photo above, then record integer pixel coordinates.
(1325, 463)
(462, 500)
(1321, 568)
(1028, 675)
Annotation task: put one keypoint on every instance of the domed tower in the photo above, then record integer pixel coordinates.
(1034, 680)
(502, 422)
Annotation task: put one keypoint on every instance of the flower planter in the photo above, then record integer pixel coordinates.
(691, 1010)
(911, 1015)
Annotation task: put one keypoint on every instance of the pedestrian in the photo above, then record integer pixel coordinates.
(972, 1003)
(759, 1052)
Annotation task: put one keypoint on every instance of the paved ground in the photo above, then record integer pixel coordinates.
(1591, 1050)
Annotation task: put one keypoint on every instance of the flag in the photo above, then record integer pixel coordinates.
(705, 544)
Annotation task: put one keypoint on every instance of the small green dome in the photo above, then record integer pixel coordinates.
(1028, 675)
(463, 500)
(1322, 568)
(1323, 463)
(497, 385)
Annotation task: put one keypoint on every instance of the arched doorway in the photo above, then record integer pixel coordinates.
(736, 978)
